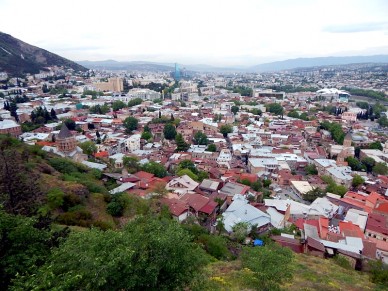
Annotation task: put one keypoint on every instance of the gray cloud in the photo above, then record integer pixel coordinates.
(357, 27)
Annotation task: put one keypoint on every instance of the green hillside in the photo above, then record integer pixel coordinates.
(18, 57)
(61, 230)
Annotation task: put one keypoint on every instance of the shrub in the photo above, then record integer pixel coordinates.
(215, 245)
(117, 205)
(70, 200)
(55, 198)
(103, 225)
(115, 208)
(81, 217)
(63, 165)
(379, 272)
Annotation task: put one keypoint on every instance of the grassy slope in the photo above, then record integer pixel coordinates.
(313, 273)
(310, 273)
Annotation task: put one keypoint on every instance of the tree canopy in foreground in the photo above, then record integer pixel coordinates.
(150, 253)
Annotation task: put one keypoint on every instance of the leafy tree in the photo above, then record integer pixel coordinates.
(146, 135)
(293, 114)
(130, 123)
(188, 173)
(256, 111)
(117, 205)
(355, 164)
(244, 91)
(266, 183)
(202, 175)
(182, 146)
(369, 163)
(380, 169)
(70, 124)
(225, 129)
(377, 109)
(275, 108)
(268, 267)
(304, 116)
(146, 128)
(217, 117)
(24, 245)
(88, 147)
(117, 105)
(383, 121)
(240, 231)
(335, 130)
(187, 164)
(357, 181)
(134, 102)
(97, 109)
(256, 186)
(132, 164)
(169, 131)
(376, 146)
(313, 194)
(200, 138)
(12, 109)
(211, 148)
(332, 187)
(132, 259)
(235, 109)
(155, 168)
(245, 182)
(311, 169)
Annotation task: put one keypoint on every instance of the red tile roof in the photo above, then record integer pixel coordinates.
(144, 175)
(350, 229)
(175, 206)
(45, 143)
(196, 201)
(209, 208)
(374, 197)
(377, 223)
(382, 207)
(103, 154)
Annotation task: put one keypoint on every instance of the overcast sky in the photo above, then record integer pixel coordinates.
(214, 32)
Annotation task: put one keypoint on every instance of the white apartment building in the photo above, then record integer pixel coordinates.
(225, 157)
(145, 94)
(133, 142)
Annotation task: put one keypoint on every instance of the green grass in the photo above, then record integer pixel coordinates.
(310, 273)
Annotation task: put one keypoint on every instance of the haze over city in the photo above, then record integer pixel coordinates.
(219, 33)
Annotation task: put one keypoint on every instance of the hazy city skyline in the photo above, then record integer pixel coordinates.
(221, 33)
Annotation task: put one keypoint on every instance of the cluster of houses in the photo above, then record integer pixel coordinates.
(261, 146)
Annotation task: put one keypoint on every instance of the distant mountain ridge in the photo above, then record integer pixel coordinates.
(18, 57)
(150, 66)
(266, 67)
(130, 66)
(317, 62)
